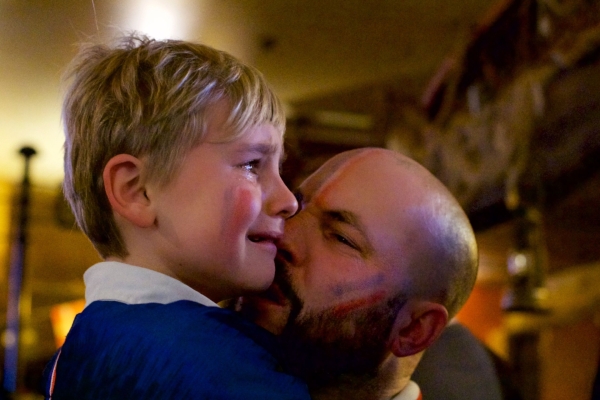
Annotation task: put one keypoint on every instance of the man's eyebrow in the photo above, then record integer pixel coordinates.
(349, 218)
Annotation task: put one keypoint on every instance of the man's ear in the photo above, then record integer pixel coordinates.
(125, 190)
(417, 325)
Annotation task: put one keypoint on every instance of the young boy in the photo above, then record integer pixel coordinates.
(172, 158)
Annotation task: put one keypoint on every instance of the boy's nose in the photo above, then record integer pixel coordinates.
(295, 245)
(287, 246)
(282, 201)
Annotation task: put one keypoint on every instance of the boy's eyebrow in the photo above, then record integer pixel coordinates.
(262, 148)
(267, 149)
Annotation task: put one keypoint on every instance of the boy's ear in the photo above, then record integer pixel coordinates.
(418, 324)
(125, 189)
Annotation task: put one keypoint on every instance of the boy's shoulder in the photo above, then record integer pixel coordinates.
(181, 323)
(182, 347)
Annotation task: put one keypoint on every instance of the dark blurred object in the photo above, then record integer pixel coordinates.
(460, 366)
(13, 370)
(596, 388)
(527, 265)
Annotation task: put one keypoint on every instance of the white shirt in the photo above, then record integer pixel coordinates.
(410, 392)
(129, 284)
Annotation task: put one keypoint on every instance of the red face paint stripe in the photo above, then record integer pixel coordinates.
(337, 175)
(345, 308)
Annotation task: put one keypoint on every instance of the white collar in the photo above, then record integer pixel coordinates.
(129, 284)
(410, 392)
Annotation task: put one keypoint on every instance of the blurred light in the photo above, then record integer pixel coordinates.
(159, 19)
(9, 339)
(62, 317)
(518, 263)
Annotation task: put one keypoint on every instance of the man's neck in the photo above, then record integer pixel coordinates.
(391, 378)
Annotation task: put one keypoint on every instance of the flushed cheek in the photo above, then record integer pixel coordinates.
(241, 207)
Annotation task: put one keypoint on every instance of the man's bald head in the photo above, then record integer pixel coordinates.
(432, 230)
(369, 269)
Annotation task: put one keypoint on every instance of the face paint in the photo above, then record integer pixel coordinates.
(342, 309)
(322, 182)
(320, 347)
(361, 285)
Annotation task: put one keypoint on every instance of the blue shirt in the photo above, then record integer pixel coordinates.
(164, 342)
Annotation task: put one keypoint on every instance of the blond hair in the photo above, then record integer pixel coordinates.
(153, 99)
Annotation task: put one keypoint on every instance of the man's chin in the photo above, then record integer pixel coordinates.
(265, 312)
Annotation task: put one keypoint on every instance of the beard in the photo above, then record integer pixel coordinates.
(323, 347)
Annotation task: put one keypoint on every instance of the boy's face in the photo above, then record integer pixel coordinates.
(218, 220)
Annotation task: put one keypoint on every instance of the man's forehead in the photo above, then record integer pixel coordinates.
(336, 173)
(380, 189)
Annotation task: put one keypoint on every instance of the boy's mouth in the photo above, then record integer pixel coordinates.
(270, 237)
(267, 241)
(258, 238)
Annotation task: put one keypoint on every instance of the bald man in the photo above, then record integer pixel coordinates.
(370, 270)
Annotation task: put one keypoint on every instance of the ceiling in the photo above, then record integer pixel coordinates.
(305, 48)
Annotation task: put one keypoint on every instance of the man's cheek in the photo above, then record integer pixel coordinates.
(357, 294)
(347, 307)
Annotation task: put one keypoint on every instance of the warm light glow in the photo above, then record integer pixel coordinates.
(41, 130)
(159, 19)
(484, 317)
(5, 203)
(518, 263)
(62, 316)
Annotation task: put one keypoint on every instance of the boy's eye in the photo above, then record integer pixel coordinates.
(251, 166)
